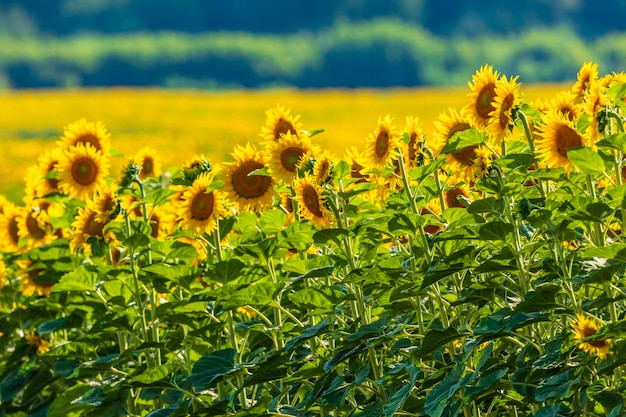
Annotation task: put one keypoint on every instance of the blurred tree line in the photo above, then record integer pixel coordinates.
(335, 43)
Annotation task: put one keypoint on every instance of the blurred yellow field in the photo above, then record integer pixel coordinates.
(180, 124)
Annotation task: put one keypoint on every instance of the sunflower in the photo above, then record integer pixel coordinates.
(564, 103)
(34, 228)
(83, 132)
(85, 227)
(461, 162)
(381, 145)
(31, 282)
(105, 203)
(585, 327)
(249, 192)
(200, 209)
(41, 180)
(556, 136)
(323, 167)
(482, 97)
(595, 101)
(82, 170)
(357, 165)
(279, 122)
(414, 155)
(482, 162)
(507, 98)
(9, 229)
(146, 158)
(456, 193)
(588, 73)
(285, 154)
(311, 201)
(34, 339)
(433, 209)
(614, 77)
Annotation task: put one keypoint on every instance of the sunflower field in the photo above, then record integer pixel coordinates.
(475, 270)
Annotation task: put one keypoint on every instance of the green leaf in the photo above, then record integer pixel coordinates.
(487, 205)
(495, 230)
(405, 224)
(74, 320)
(464, 139)
(396, 401)
(554, 410)
(370, 330)
(306, 334)
(81, 279)
(436, 338)
(438, 397)
(325, 235)
(484, 384)
(616, 92)
(272, 221)
(315, 132)
(213, 367)
(557, 386)
(64, 404)
(159, 196)
(587, 160)
(152, 375)
(342, 169)
(614, 141)
(228, 271)
(259, 294)
(344, 354)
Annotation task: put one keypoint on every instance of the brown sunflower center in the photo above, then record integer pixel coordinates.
(311, 200)
(202, 206)
(250, 186)
(413, 147)
(484, 101)
(466, 156)
(53, 183)
(282, 127)
(34, 230)
(147, 167)
(505, 113)
(154, 225)
(382, 144)
(567, 112)
(90, 139)
(93, 227)
(566, 137)
(84, 171)
(14, 230)
(289, 158)
(451, 198)
(458, 127)
(323, 170)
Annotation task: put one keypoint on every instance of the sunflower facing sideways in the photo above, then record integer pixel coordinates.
(200, 209)
(83, 132)
(248, 190)
(34, 229)
(414, 155)
(556, 136)
(460, 163)
(311, 201)
(278, 122)
(284, 155)
(587, 74)
(82, 170)
(41, 180)
(146, 159)
(585, 327)
(482, 97)
(381, 145)
(506, 99)
(9, 229)
(85, 227)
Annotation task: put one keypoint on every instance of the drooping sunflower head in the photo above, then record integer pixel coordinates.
(82, 170)
(381, 144)
(278, 122)
(585, 327)
(323, 167)
(357, 165)
(482, 96)
(311, 201)
(507, 97)
(284, 155)
(414, 155)
(34, 228)
(149, 163)
(246, 186)
(556, 136)
(83, 132)
(9, 229)
(202, 207)
(106, 203)
(587, 74)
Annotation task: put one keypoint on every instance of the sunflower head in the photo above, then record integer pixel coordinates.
(311, 201)
(482, 96)
(585, 327)
(82, 170)
(507, 98)
(323, 168)
(556, 136)
(244, 181)
(34, 339)
(482, 162)
(284, 155)
(42, 178)
(279, 122)
(106, 204)
(382, 144)
(202, 206)
(33, 227)
(414, 155)
(446, 125)
(456, 193)
(193, 168)
(587, 74)
(85, 229)
(9, 227)
(83, 132)
(148, 162)
(564, 103)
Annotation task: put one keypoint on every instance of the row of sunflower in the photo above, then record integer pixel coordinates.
(476, 270)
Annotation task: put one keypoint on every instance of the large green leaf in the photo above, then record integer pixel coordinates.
(558, 386)
(81, 279)
(213, 367)
(587, 160)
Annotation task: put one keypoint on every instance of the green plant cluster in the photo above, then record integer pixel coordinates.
(377, 53)
(370, 317)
